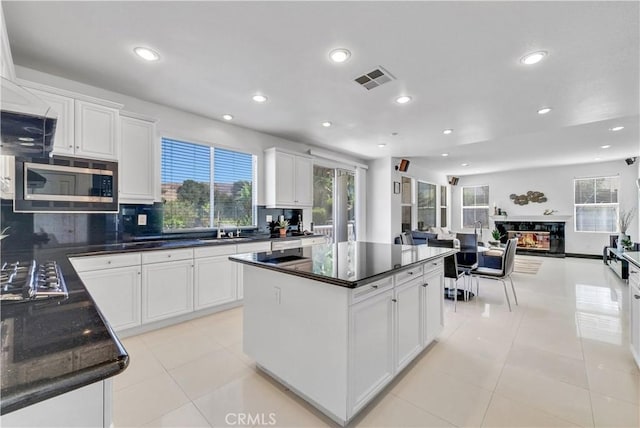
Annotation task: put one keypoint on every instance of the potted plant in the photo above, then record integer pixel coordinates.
(284, 224)
(624, 221)
(496, 235)
(627, 244)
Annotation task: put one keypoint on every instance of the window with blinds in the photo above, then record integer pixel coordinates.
(426, 205)
(475, 206)
(200, 183)
(596, 204)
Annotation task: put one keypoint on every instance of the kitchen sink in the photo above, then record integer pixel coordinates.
(223, 240)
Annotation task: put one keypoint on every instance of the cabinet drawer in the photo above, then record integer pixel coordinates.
(371, 289)
(432, 265)
(634, 277)
(213, 251)
(254, 247)
(313, 241)
(284, 245)
(167, 255)
(83, 264)
(408, 274)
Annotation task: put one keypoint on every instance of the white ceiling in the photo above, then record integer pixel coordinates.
(458, 60)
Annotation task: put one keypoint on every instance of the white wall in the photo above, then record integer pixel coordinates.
(557, 184)
(182, 125)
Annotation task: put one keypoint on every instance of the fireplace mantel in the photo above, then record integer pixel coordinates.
(544, 218)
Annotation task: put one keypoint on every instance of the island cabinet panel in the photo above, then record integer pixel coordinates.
(371, 347)
(215, 281)
(167, 289)
(432, 302)
(634, 312)
(408, 329)
(117, 293)
(252, 247)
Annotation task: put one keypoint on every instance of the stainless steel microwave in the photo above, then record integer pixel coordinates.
(65, 184)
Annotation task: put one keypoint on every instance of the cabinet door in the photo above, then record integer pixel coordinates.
(303, 181)
(215, 281)
(117, 294)
(63, 143)
(408, 322)
(254, 247)
(285, 179)
(7, 177)
(167, 290)
(136, 160)
(432, 303)
(370, 348)
(634, 313)
(96, 131)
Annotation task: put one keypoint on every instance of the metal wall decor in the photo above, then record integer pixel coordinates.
(530, 196)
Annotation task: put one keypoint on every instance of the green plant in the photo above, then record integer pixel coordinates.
(283, 223)
(495, 234)
(627, 244)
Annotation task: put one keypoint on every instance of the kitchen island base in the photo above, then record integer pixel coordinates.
(338, 347)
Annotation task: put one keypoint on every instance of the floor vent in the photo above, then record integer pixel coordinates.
(374, 78)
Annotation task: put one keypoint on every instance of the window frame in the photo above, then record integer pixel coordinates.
(596, 204)
(417, 203)
(474, 207)
(212, 217)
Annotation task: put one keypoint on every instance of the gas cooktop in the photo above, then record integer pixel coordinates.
(28, 281)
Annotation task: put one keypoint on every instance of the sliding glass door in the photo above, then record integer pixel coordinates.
(334, 203)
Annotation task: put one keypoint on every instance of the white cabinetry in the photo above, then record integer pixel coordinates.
(64, 141)
(288, 179)
(7, 69)
(114, 283)
(408, 322)
(371, 347)
(432, 301)
(137, 159)
(215, 276)
(634, 313)
(96, 131)
(167, 284)
(7, 177)
(253, 247)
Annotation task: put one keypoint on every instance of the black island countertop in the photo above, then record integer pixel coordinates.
(55, 346)
(347, 264)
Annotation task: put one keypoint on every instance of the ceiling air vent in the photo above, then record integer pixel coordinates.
(375, 78)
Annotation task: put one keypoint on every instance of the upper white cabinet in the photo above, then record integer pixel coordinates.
(96, 131)
(137, 159)
(87, 127)
(63, 143)
(7, 177)
(288, 179)
(6, 61)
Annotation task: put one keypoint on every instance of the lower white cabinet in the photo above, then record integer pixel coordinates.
(408, 327)
(215, 281)
(117, 293)
(634, 311)
(371, 347)
(432, 301)
(167, 289)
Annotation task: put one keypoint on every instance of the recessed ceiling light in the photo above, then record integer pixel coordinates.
(259, 98)
(616, 128)
(326, 124)
(394, 134)
(606, 146)
(445, 154)
(533, 58)
(597, 159)
(227, 117)
(464, 164)
(403, 99)
(544, 110)
(339, 55)
(27, 143)
(147, 54)
(382, 145)
(447, 131)
(25, 139)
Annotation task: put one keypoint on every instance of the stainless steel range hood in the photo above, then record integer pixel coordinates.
(27, 123)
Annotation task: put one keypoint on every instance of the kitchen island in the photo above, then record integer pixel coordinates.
(336, 323)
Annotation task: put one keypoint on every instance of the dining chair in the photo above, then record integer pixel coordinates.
(508, 263)
(406, 238)
(467, 257)
(451, 270)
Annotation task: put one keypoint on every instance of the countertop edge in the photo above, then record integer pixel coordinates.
(635, 262)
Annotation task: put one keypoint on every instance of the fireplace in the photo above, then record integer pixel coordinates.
(535, 237)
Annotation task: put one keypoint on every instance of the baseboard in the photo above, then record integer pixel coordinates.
(584, 256)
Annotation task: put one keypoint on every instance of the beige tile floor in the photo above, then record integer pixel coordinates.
(559, 359)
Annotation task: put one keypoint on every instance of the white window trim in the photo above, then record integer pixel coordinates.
(462, 206)
(595, 204)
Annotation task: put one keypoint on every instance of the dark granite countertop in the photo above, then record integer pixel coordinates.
(347, 264)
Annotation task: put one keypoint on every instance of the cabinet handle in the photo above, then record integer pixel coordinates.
(169, 255)
(409, 273)
(77, 147)
(139, 273)
(635, 296)
(70, 146)
(394, 300)
(425, 284)
(108, 262)
(374, 286)
(633, 271)
(435, 263)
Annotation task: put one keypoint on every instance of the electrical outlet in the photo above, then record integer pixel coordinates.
(269, 218)
(142, 219)
(278, 294)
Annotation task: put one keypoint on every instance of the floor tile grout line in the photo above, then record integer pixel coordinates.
(419, 408)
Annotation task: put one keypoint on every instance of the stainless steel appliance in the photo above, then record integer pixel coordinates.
(27, 123)
(62, 184)
(29, 281)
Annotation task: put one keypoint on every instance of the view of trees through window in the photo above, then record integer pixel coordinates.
(426, 205)
(187, 177)
(326, 182)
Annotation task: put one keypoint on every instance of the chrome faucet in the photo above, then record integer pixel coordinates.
(219, 228)
(237, 227)
(475, 229)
